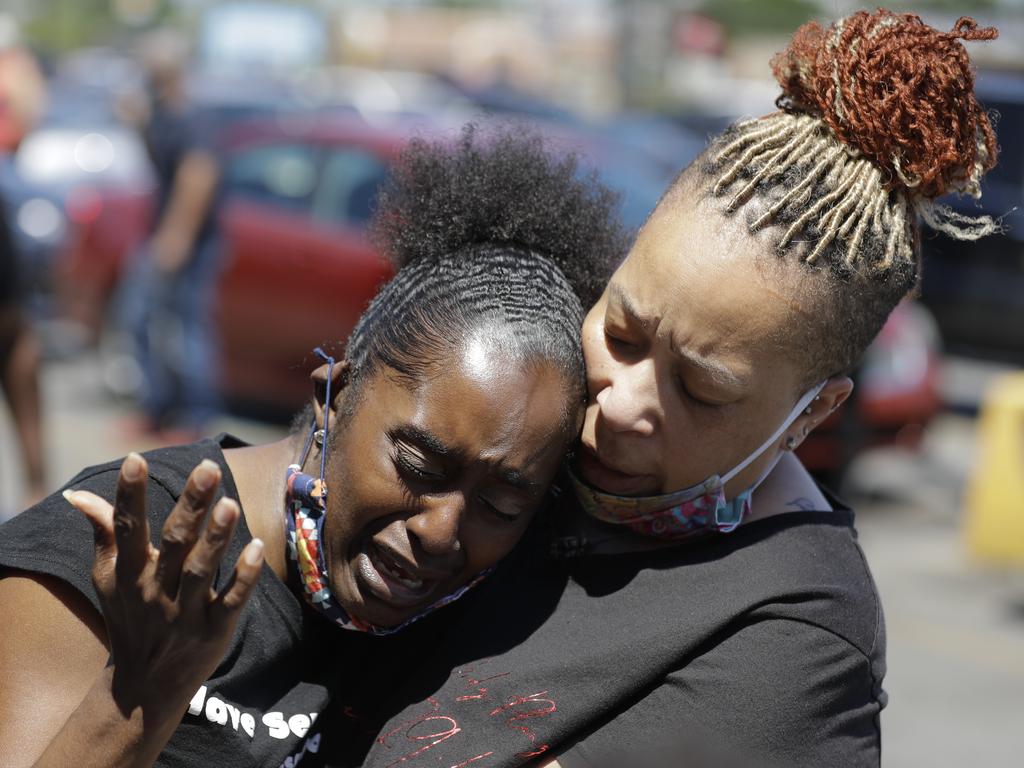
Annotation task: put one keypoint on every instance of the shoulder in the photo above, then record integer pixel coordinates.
(812, 567)
(54, 539)
(788, 692)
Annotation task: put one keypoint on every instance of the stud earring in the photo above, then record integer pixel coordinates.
(790, 443)
(318, 436)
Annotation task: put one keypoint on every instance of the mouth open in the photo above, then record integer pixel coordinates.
(390, 581)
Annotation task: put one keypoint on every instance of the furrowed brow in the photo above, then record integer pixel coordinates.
(717, 371)
(425, 439)
(619, 294)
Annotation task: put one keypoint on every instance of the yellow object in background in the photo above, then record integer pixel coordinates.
(995, 495)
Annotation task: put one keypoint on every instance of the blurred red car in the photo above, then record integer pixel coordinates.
(297, 198)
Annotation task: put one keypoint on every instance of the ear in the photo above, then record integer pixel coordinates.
(339, 384)
(831, 396)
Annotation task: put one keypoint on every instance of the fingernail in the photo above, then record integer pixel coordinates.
(205, 475)
(132, 466)
(254, 552)
(67, 494)
(223, 512)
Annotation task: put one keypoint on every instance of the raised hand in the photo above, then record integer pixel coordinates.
(166, 626)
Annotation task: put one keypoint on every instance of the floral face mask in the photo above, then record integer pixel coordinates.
(690, 511)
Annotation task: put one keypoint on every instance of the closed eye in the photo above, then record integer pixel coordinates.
(504, 516)
(617, 343)
(699, 402)
(413, 465)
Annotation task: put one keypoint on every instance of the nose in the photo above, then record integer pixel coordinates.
(436, 526)
(629, 401)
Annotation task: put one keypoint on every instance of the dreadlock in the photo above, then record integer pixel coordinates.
(877, 119)
(493, 237)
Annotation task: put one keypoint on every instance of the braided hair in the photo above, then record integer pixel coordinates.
(877, 119)
(493, 237)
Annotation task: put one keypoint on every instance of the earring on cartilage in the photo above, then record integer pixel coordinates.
(790, 443)
(457, 545)
(808, 409)
(318, 437)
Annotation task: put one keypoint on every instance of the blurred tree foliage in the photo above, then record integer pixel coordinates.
(63, 25)
(742, 17)
(58, 25)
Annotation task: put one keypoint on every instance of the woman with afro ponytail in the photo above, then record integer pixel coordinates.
(276, 631)
(701, 595)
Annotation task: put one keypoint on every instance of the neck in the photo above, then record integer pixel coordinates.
(788, 488)
(259, 475)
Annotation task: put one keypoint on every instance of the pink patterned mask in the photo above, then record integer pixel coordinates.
(697, 509)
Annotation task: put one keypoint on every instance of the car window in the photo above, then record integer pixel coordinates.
(279, 174)
(348, 187)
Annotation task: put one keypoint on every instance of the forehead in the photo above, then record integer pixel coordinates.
(486, 405)
(709, 283)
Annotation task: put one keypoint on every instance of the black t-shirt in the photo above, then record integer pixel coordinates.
(290, 684)
(173, 132)
(768, 641)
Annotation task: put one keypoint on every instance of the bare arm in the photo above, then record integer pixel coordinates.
(52, 649)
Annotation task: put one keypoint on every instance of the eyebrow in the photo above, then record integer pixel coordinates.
(627, 304)
(717, 370)
(426, 439)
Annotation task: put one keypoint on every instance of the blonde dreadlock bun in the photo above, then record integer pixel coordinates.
(877, 119)
(899, 92)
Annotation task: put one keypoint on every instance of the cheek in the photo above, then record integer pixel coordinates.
(359, 495)
(488, 543)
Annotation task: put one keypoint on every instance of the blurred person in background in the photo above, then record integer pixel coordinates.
(437, 438)
(22, 96)
(165, 300)
(698, 581)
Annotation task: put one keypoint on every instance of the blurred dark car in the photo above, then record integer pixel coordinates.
(976, 289)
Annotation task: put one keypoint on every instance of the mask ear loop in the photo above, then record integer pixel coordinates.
(794, 414)
(327, 423)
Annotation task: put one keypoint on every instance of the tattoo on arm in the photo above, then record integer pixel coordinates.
(803, 504)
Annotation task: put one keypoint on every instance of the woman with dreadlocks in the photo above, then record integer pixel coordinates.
(237, 642)
(704, 587)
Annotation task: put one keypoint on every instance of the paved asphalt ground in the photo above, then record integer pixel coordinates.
(955, 630)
